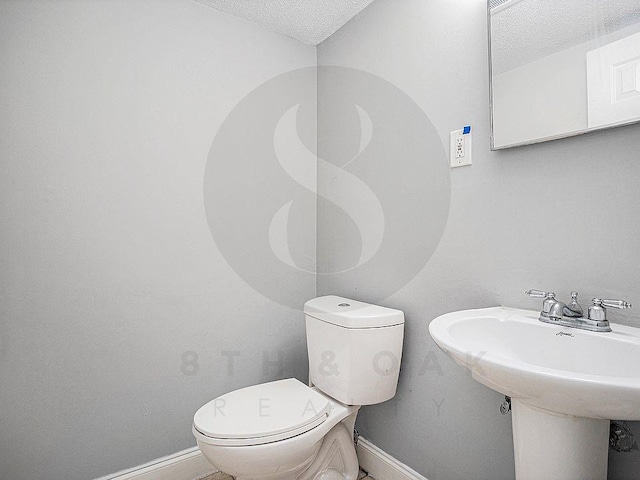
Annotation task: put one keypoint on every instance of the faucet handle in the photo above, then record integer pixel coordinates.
(598, 312)
(549, 300)
(614, 303)
(540, 294)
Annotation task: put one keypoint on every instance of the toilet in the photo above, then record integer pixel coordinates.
(287, 430)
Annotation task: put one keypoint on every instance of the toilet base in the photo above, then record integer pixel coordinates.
(335, 460)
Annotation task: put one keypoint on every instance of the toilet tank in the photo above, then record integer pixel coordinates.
(354, 349)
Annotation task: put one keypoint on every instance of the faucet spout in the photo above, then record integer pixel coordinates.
(556, 311)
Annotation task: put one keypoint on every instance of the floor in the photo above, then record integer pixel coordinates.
(224, 476)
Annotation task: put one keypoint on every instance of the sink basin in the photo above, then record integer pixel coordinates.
(565, 384)
(565, 370)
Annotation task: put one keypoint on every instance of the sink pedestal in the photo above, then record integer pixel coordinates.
(550, 445)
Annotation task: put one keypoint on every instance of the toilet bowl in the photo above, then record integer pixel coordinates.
(281, 429)
(286, 430)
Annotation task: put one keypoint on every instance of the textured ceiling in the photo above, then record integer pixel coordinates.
(526, 30)
(310, 21)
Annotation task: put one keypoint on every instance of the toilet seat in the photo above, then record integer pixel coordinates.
(261, 414)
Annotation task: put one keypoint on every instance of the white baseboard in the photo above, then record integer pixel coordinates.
(188, 464)
(382, 466)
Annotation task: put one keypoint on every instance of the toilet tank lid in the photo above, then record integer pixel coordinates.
(348, 313)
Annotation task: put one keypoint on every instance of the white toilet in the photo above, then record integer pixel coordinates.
(287, 430)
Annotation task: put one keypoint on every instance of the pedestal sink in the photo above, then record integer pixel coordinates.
(565, 384)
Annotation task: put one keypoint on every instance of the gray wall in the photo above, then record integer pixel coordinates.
(561, 215)
(109, 270)
(110, 273)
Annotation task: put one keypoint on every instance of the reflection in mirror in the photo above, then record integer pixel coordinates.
(562, 67)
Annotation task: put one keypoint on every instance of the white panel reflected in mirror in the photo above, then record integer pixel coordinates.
(562, 68)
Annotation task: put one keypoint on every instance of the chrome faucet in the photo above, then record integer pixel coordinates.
(572, 315)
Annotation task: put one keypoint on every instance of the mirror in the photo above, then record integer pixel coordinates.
(562, 67)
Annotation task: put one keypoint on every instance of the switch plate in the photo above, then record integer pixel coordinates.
(460, 148)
